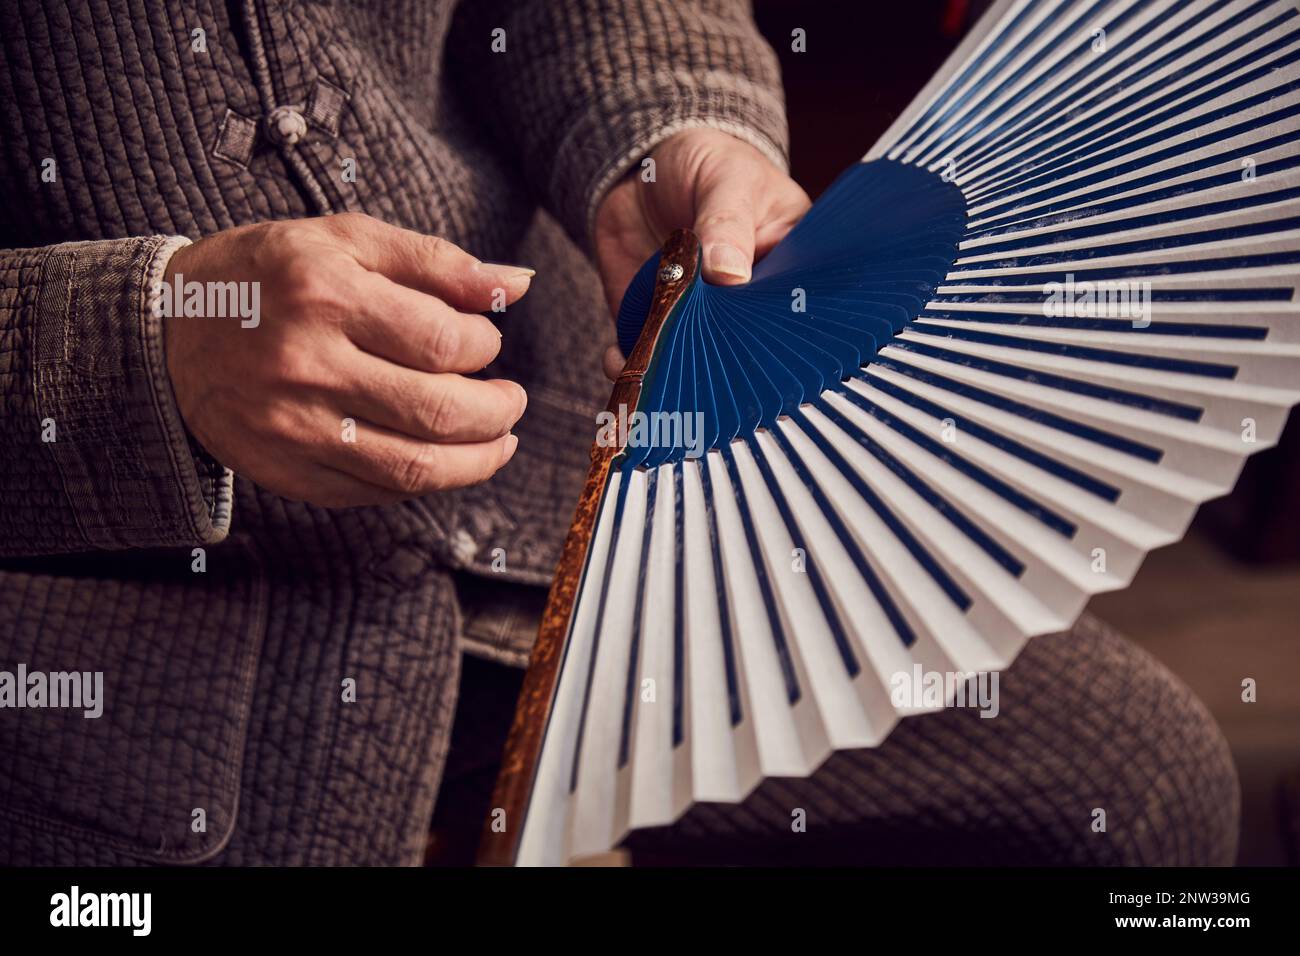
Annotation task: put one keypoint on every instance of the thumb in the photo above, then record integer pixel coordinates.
(724, 222)
(432, 265)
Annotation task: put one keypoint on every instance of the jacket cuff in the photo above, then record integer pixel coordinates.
(130, 472)
(598, 149)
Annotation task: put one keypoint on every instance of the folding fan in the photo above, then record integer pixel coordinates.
(999, 360)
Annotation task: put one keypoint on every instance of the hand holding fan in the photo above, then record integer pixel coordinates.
(998, 361)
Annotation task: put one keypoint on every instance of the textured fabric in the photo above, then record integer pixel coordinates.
(1087, 721)
(689, 61)
(500, 622)
(86, 396)
(119, 128)
(124, 787)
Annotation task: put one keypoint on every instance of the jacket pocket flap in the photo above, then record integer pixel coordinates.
(126, 681)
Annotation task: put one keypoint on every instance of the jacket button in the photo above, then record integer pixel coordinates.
(463, 546)
(286, 125)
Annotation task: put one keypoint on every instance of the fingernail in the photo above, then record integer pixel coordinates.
(525, 270)
(523, 401)
(511, 443)
(727, 260)
(514, 278)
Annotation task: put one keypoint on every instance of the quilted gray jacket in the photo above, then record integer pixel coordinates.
(229, 732)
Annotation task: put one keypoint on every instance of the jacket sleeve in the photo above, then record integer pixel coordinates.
(93, 452)
(583, 90)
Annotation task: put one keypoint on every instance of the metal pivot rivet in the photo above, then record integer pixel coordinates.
(671, 272)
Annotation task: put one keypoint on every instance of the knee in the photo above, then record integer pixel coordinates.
(1143, 758)
(1099, 756)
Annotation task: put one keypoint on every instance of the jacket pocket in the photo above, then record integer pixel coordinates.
(134, 750)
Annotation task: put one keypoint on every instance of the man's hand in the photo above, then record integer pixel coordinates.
(729, 193)
(359, 320)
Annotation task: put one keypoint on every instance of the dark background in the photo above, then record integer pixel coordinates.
(864, 63)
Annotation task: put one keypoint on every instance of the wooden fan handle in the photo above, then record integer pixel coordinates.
(678, 265)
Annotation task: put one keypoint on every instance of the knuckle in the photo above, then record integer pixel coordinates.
(720, 219)
(443, 344)
(436, 409)
(284, 421)
(279, 419)
(302, 282)
(316, 289)
(297, 367)
(435, 247)
(415, 471)
(290, 236)
(278, 231)
(346, 223)
(270, 243)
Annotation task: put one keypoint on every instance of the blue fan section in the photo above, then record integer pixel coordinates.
(863, 263)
